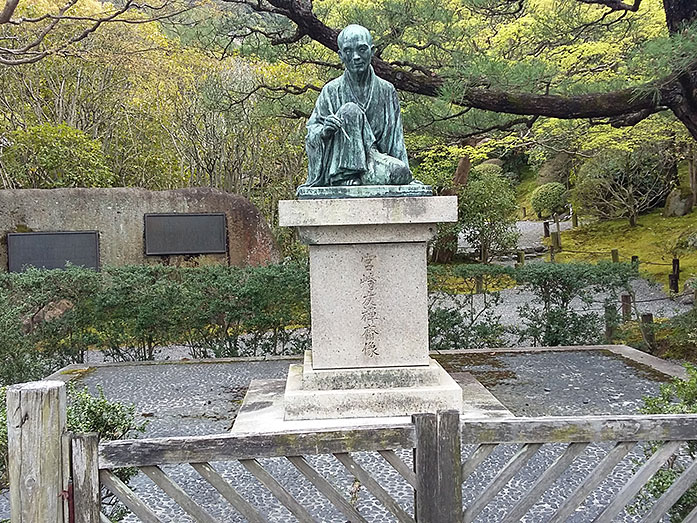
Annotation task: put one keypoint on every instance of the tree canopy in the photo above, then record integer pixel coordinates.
(595, 59)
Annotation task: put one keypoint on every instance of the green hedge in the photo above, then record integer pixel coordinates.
(49, 319)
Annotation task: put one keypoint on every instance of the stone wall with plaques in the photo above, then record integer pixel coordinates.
(239, 234)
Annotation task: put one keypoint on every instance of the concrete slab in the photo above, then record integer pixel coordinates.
(262, 410)
(370, 377)
(367, 211)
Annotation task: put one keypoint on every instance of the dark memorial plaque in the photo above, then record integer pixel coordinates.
(52, 250)
(185, 234)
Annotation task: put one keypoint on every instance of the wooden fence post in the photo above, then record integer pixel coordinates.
(626, 307)
(36, 420)
(438, 470)
(556, 241)
(520, 257)
(674, 283)
(647, 321)
(85, 468)
(635, 260)
(574, 220)
(615, 255)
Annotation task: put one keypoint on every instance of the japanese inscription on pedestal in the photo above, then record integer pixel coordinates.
(369, 310)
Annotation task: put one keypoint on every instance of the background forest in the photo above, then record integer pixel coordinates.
(594, 95)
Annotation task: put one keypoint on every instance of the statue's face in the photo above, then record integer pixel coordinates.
(356, 51)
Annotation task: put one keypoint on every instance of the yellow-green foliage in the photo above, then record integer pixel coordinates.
(524, 190)
(653, 240)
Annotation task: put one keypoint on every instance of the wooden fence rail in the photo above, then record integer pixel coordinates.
(460, 470)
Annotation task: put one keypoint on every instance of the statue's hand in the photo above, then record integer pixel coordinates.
(331, 125)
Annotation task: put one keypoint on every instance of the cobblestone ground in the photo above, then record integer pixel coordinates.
(202, 398)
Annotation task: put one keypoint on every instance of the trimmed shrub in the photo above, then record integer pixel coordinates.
(549, 199)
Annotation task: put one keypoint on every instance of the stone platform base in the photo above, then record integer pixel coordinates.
(263, 409)
(365, 393)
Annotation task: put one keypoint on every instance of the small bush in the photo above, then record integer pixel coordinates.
(484, 169)
(459, 316)
(677, 397)
(551, 319)
(48, 156)
(549, 199)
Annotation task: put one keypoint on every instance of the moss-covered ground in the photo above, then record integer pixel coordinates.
(528, 183)
(654, 240)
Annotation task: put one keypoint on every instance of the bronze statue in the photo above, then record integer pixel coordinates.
(355, 136)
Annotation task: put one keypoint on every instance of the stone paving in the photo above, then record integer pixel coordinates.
(201, 398)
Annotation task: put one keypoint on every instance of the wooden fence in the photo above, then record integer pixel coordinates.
(460, 470)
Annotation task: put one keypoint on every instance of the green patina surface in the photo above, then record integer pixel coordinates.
(364, 191)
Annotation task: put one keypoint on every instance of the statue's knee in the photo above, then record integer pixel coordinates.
(350, 109)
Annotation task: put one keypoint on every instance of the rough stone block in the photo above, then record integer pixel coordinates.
(303, 404)
(369, 378)
(369, 305)
(367, 211)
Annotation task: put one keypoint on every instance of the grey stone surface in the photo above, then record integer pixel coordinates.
(354, 402)
(368, 378)
(367, 211)
(364, 191)
(677, 203)
(386, 233)
(118, 214)
(369, 305)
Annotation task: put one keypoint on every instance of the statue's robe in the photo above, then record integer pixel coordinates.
(354, 150)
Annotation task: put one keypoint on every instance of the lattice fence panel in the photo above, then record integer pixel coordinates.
(575, 482)
(357, 487)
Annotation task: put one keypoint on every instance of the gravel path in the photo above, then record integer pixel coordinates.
(531, 234)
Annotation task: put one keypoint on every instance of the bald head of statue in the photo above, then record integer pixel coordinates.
(356, 48)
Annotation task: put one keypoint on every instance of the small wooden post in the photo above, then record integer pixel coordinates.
(676, 266)
(36, 420)
(525, 212)
(674, 283)
(615, 255)
(626, 307)
(520, 258)
(437, 465)
(647, 321)
(610, 322)
(635, 260)
(449, 467)
(556, 240)
(545, 229)
(426, 467)
(574, 220)
(85, 467)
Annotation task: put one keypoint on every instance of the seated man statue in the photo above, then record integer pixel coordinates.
(355, 136)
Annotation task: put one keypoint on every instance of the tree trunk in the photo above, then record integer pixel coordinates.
(692, 170)
(445, 250)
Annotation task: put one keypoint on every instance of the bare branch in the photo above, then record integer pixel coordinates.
(615, 5)
(8, 10)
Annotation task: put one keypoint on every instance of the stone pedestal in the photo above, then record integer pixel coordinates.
(369, 301)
